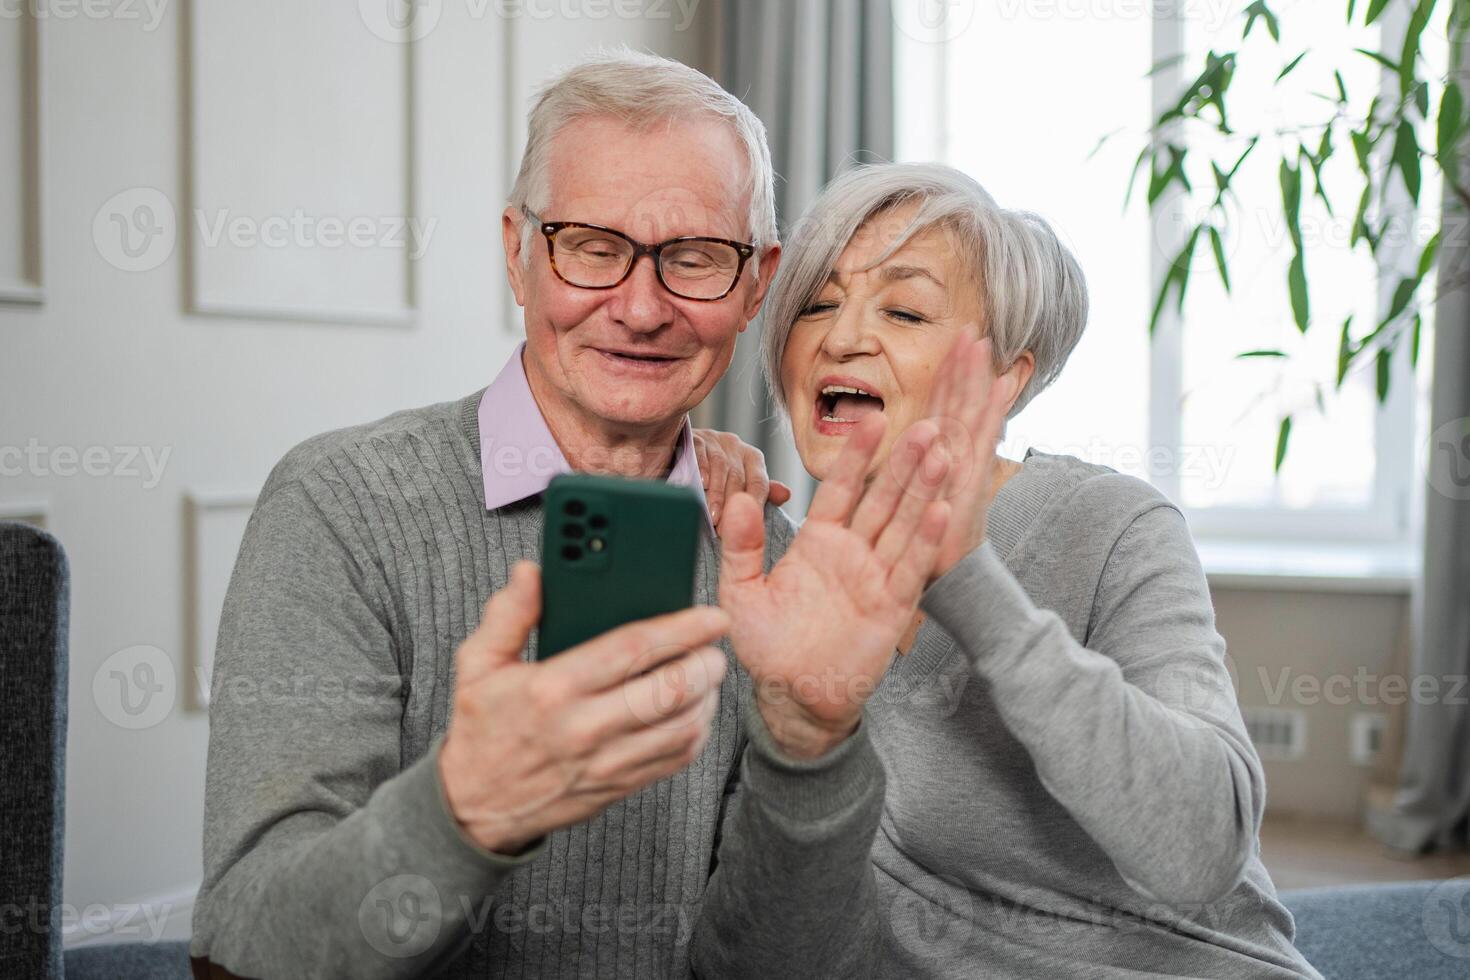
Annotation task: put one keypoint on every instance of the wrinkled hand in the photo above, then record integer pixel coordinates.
(969, 405)
(729, 466)
(533, 747)
(818, 632)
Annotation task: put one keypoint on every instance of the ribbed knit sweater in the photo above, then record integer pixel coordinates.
(329, 850)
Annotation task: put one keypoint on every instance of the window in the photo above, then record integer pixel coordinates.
(1018, 94)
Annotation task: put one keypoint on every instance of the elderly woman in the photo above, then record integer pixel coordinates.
(1071, 791)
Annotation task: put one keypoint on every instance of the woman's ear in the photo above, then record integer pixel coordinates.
(1017, 375)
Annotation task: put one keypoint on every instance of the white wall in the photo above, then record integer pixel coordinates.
(110, 358)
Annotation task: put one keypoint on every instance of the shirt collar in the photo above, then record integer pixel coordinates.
(519, 455)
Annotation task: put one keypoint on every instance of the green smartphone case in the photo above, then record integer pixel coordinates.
(613, 551)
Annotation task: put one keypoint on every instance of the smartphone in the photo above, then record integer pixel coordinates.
(613, 551)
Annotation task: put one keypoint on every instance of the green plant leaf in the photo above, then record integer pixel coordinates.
(1181, 267)
(1296, 280)
(1360, 223)
(1363, 149)
(1426, 258)
(1381, 366)
(1315, 162)
(1342, 95)
(1102, 141)
(1162, 64)
(1290, 179)
(1159, 180)
(1218, 247)
(1222, 179)
(1375, 7)
(1261, 353)
(1290, 66)
(1159, 301)
(1414, 340)
(1409, 58)
(1283, 435)
(1406, 157)
(1382, 59)
(1345, 351)
(1448, 128)
(1263, 12)
(1421, 99)
(1143, 156)
(1402, 293)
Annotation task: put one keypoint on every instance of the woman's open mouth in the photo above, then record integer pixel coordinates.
(840, 406)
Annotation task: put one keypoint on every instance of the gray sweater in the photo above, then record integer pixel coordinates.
(329, 850)
(1071, 791)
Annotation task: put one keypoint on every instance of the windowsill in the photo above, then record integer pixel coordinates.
(1309, 566)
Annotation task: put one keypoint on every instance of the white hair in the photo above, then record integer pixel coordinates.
(640, 90)
(1031, 287)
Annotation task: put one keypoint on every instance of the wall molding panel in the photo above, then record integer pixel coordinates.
(20, 158)
(294, 207)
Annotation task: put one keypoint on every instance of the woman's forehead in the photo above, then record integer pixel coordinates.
(928, 253)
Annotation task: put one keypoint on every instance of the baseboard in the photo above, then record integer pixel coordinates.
(158, 918)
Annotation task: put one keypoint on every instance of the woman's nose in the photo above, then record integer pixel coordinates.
(850, 336)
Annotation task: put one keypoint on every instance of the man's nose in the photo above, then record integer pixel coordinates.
(643, 304)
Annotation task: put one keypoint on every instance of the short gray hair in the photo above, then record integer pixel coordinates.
(1032, 288)
(641, 90)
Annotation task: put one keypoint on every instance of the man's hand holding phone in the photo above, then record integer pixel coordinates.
(533, 747)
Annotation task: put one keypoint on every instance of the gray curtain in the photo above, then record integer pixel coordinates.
(819, 74)
(1433, 800)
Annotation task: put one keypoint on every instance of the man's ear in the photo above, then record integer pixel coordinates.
(770, 260)
(515, 270)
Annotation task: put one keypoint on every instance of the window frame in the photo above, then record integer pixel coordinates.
(1390, 518)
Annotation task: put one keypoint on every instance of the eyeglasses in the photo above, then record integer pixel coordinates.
(594, 257)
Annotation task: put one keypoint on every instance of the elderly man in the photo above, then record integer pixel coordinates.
(429, 799)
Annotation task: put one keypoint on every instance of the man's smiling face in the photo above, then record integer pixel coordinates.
(635, 358)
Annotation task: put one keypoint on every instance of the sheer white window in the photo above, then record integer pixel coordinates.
(1018, 93)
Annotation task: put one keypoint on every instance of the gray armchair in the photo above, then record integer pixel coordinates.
(34, 616)
(33, 628)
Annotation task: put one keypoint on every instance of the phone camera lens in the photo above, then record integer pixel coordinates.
(571, 552)
(596, 544)
(575, 507)
(598, 521)
(573, 530)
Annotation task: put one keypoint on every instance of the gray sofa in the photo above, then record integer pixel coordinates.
(1384, 932)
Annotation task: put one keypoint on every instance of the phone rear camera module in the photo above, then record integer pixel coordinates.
(596, 544)
(575, 507)
(571, 552)
(573, 530)
(598, 521)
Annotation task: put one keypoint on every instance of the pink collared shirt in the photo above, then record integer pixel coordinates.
(519, 456)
